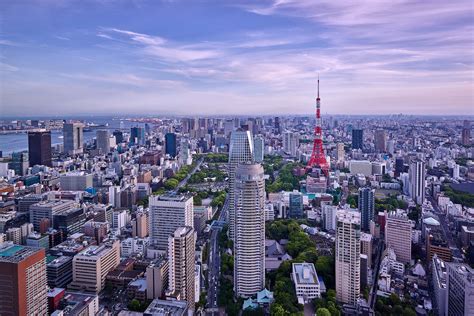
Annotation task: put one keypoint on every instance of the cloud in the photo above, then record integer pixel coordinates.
(157, 46)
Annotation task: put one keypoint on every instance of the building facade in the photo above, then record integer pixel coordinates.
(249, 243)
(347, 256)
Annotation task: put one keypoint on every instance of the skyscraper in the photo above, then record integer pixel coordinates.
(259, 148)
(73, 138)
(347, 256)
(340, 152)
(118, 136)
(23, 287)
(290, 143)
(398, 235)
(181, 246)
(240, 151)
(137, 136)
(19, 163)
(295, 205)
(249, 247)
(170, 144)
(460, 289)
(39, 148)
(103, 141)
(466, 133)
(357, 138)
(167, 213)
(366, 205)
(380, 141)
(417, 174)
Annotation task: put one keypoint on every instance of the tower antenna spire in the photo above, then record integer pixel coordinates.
(318, 157)
(318, 86)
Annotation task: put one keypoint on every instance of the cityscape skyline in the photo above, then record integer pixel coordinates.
(101, 57)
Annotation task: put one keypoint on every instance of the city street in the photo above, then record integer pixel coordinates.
(215, 265)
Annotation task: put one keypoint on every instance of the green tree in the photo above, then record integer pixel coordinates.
(171, 184)
(134, 305)
(323, 312)
(278, 310)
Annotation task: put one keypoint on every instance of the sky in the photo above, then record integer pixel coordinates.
(200, 57)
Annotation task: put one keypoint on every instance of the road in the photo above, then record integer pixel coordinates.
(185, 180)
(214, 264)
(373, 292)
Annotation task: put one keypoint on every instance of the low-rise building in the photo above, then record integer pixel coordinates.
(306, 282)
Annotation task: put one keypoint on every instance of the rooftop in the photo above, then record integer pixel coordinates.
(305, 273)
(166, 308)
(16, 253)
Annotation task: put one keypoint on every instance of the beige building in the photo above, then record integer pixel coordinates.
(157, 278)
(181, 246)
(398, 235)
(140, 225)
(347, 256)
(366, 247)
(90, 266)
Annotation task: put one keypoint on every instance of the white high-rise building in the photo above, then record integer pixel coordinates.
(290, 143)
(398, 235)
(417, 175)
(259, 148)
(240, 151)
(249, 243)
(181, 246)
(348, 256)
(103, 141)
(167, 213)
(329, 216)
(73, 138)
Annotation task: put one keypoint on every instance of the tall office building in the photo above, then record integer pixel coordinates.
(366, 205)
(73, 138)
(380, 141)
(137, 136)
(23, 287)
(348, 256)
(295, 205)
(290, 143)
(277, 125)
(103, 141)
(466, 133)
(240, 151)
(357, 138)
(398, 235)
(249, 244)
(340, 152)
(91, 266)
(417, 174)
(460, 289)
(399, 166)
(170, 144)
(181, 245)
(118, 136)
(39, 148)
(20, 163)
(259, 148)
(167, 213)
(48, 209)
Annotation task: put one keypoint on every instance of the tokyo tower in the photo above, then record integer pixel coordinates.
(318, 159)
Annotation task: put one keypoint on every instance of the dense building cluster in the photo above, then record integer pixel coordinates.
(170, 216)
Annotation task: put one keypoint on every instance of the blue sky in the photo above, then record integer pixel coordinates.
(236, 57)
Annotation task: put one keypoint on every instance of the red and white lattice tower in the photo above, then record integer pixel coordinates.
(318, 159)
